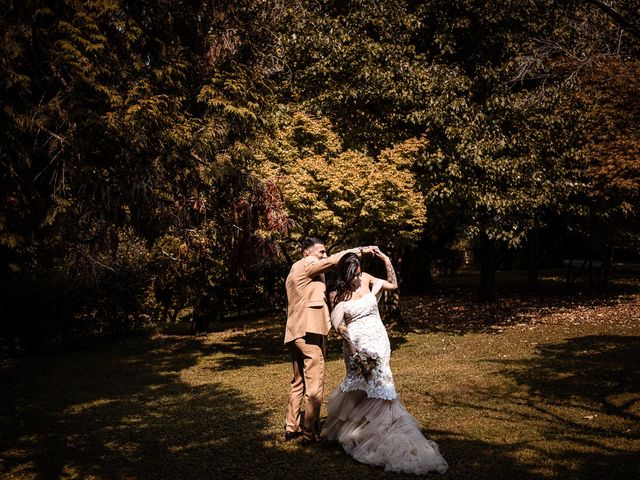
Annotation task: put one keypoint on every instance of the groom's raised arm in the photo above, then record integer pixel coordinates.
(314, 266)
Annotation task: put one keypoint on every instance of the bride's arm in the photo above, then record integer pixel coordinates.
(392, 282)
(340, 326)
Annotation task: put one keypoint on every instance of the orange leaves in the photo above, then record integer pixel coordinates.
(610, 94)
(339, 193)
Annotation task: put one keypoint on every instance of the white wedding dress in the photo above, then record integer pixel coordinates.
(365, 414)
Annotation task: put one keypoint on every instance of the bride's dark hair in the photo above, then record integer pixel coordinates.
(345, 272)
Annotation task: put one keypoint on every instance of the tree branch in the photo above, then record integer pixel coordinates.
(617, 17)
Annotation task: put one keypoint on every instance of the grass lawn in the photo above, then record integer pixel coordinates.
(520, 390)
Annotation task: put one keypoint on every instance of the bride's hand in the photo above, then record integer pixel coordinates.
(378, 253)
(369, 249)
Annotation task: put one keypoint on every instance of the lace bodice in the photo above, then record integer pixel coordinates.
(368, 334)
(360, 308)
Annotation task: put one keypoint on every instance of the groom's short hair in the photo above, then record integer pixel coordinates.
(310, 242)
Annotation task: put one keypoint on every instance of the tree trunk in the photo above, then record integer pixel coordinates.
(606, 266)
(590, 246)
(488, 265)
(201, 321)
(428, 275)
(533, 249)
(210, 306)
(392, 310)
(270, 287)
(569, 268)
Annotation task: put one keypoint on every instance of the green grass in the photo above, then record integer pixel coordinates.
(511, 391)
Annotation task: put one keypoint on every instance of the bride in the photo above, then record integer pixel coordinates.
(365, 414)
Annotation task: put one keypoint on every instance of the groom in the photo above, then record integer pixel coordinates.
(308, 324)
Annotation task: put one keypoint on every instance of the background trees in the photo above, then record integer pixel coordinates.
(493, 87)
(149, 146)
(128, 127)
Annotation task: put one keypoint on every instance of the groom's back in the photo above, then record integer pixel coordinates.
(307, 311)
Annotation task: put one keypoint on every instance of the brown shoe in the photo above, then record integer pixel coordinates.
(317, 442)
(291, 435)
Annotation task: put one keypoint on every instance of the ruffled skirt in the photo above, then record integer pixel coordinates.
(381, 433)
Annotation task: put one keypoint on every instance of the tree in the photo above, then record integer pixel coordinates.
(128, 120)
(496, 156)
(592, 52)
(343, 196)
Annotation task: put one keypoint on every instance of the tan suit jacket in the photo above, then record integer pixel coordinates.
(307, 310)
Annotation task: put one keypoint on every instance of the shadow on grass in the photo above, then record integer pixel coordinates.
(264, 345)
(603, 371)
(114, 413)
(479, 460)
(580, 411)
(261, 344)
(124, 412)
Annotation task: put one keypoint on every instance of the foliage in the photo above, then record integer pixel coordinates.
(344, 196)
(207, 135)
(594, 51)
(498, 156)
(89, 293)
(122, 114)
(489, 85)
(608, 94)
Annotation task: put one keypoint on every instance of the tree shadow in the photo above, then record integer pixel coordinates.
(603, 371)
(253, 346)
(262, 343)
(483, 460)
(103, 412)
(124, 412)
(579, 400)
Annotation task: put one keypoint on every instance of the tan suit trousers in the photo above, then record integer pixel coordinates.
(308, 355)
